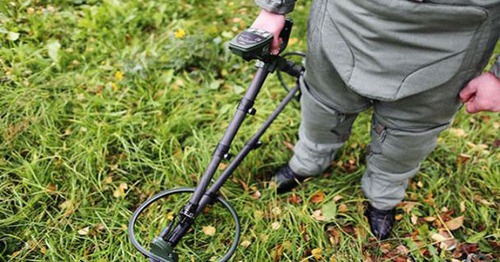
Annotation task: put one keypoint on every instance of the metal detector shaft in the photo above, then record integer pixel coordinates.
(253, 143)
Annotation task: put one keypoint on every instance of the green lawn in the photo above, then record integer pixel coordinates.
(105, 103)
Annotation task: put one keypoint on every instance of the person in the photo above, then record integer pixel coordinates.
(412, 61)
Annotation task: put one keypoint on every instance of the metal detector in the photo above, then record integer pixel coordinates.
(251, 44)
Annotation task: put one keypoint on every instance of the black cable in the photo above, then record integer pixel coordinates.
(166, 193)
(278, 71)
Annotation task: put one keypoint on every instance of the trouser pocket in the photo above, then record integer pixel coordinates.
(390, 49)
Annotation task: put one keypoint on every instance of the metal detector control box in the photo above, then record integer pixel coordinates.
(251, 44)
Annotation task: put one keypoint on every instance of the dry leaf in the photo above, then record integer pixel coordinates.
(317, 253)
(429, 219)
(209, 230)
(246, 243)
(342, 208)
(256, 195)
(455, 223)
(414, 219)
(222, 166)
(398, 217)
(84, 231)
(290, 146)
(458, 132)
(337, 198)
(51, 188)
(275, 225)
(276, 211)
(318, 197)
(43, 250)
(402, 250)
(462, 206)
(317, 215)
(120, 191)
(294, 199)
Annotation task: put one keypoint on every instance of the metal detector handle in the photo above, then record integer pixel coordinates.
(285, 34)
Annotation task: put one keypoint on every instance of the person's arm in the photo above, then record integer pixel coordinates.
(272, 18)
(483, 92)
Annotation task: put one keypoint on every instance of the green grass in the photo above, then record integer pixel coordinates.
(72, 132)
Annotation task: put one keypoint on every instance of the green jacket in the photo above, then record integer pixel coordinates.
(286, 6)
(391, 49)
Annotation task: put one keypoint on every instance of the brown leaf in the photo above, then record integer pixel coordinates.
(256, 195)
(222, 166)
(318, 216)
(455, 223)
(294, 199)
(342, 208)
(402, 250)
(246, 243)
(51, 188)
(318, 197)
(290, 146)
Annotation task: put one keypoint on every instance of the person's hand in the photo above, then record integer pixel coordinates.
(272, 23)
(482, 94)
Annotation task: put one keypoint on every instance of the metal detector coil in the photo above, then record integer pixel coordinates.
(250, 44)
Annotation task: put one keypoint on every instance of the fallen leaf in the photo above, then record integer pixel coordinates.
(120, 191)
(318, 197)
(343, 208)
(458, 132)
(429, 219)
(402, 250)
(294, 199)
(53, 48)
(209, 230)
(275, 225)
(276, 211)
(43, 250)
(455, 223)
(84, 231)
(317, 215)
(462, 206)
(289, 146)
(398, 217)
(256, 195)
(414, 219)
(337, 198)
(317, 253)
(51, 188)
(246, 243)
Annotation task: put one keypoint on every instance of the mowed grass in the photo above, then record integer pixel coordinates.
(105, 103)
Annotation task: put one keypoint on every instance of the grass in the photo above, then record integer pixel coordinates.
(82, 146)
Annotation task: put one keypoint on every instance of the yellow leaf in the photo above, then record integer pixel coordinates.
(43, 250)
(170, 216)
(317, 253)
(120, 191)
(209, 230)
(455, 223)
(179, 33)
(119, 75)
(84, 231)
(246, 243)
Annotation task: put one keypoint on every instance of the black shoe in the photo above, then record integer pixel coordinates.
(286, 179)
(381, 221)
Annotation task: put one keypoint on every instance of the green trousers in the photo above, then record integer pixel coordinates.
(406, 60)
